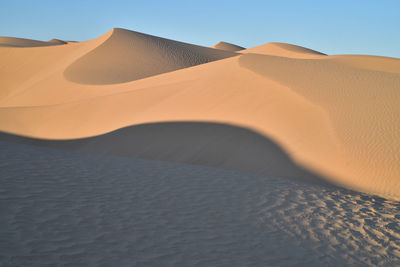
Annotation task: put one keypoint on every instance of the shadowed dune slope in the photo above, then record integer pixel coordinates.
(199, 143)
(127, 56)
(227, 46)
(284, 50)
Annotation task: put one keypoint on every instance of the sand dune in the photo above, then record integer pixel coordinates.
(284, 50)
(374, 63)
(361, 105)
(127, 56)
(198, 143)
(227, 46)
(57, 41)
(22, 42)
(335, 117)
(29, 76)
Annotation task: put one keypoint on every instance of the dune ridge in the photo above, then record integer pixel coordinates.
(333, 116)
(141, 54)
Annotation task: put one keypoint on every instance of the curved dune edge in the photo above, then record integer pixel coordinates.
(33, 76)
(198, 143)
(127, 56)
(227, 46)
(335, 116)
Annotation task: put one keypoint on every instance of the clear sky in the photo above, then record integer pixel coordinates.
(333, 27)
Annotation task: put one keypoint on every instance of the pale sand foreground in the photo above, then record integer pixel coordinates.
(336, 117)
(64, 208)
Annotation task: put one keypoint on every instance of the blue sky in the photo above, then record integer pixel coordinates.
(333, 27)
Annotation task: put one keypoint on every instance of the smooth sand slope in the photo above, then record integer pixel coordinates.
(228, 46)
(334, 117)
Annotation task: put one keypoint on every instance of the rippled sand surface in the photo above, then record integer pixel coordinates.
(64, 208)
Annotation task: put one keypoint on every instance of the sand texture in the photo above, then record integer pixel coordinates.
(82, 209)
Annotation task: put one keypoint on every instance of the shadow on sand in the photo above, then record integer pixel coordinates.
(198, 143)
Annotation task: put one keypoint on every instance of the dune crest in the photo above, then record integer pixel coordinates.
(127, 56)
(228, 46)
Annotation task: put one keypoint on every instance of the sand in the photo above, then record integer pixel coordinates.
(22, 42)
(57, 41)
(284, 50)
(277, 110)
(227, 46)
(75, 209)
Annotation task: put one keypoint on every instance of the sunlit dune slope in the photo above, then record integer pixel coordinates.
(374, 63)
(336, 117)
(227, 46)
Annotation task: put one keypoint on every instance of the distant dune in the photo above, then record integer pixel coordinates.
(228, 47)
(21, 42)
(284, 50)
(57, 41)
(333, 118)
